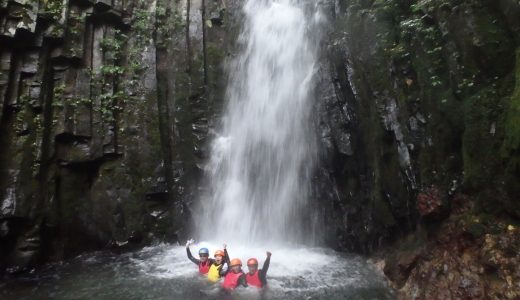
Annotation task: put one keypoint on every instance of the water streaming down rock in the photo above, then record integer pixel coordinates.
(264, 153)
(262, 162)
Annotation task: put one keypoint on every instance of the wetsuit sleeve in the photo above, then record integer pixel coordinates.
(223, 271)
(242, 280)
(226, 257)
(190, 257)
(262, 274)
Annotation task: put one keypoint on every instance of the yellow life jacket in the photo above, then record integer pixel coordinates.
(214, 272)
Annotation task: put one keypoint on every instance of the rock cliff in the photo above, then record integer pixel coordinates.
(421, 130)
(105, 108)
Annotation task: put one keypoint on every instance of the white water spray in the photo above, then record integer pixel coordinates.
(264, 154)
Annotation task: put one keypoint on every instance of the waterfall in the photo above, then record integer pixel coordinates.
(264, 153)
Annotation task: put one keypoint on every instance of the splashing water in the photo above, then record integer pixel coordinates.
(259, 174)
(164, 272)
(264, 155)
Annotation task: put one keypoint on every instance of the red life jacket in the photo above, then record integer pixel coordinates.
(204, 267)
(231, 280)
(254, 280)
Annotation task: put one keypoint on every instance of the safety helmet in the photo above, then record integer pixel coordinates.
(219, 252)
(252, 261)
(204, 251)
(236, 262)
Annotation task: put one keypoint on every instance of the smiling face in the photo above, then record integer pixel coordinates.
(218, 259)
(252, 269)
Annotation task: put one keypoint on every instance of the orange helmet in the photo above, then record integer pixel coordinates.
(252, 261)
(236, 262)
(219, 252)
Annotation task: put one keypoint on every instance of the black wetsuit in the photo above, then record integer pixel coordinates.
(262, 273)
(211, 261)
(197, 261)
(227, 261)
(242, 280)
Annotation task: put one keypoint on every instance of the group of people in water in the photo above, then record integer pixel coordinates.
(232, 274)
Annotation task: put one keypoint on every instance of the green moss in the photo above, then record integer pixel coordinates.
(494, 42)
(482, 136)
(168, 21)
(215, 54)
(52, 9)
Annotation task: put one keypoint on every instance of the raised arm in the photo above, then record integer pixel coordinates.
(223, 271)
(190, 257)
(226, 256)
(263, 272)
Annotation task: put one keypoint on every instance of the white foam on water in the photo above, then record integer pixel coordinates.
(261, 165)
(291, 269)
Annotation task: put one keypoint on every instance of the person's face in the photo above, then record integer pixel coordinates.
(236, 269)
(218, 259)
(252, 268)
(203, 257)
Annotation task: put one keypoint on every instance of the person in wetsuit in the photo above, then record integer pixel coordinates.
(234, 276)
(216, 269)
(204, 262)
(256, 277)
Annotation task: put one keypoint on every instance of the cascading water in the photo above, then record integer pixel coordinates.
(259, 176)
(264, 154)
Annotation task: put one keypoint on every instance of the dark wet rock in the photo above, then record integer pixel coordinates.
(104, 131)
(432, 203)
(452, 263)
(427, 93)
(415, 106)
(85, 121)
(398, 269)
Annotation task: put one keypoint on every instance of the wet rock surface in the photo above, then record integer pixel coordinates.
(106, 109)
(419, 103)
(103, 125)
(470, 256)
(418, 100)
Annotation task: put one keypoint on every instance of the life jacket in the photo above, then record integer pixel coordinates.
(231, 280)
(254, 280)
(204, 267)
(214, 272)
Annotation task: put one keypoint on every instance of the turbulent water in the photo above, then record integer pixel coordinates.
(264, 154)
(259, 182)
(164, 272)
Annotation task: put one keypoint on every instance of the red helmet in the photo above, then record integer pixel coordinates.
(219, 253)
(236, 262)
(252, 261)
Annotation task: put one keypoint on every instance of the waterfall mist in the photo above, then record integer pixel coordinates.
(264, 153)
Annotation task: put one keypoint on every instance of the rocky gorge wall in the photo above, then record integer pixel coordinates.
(421, 131)
(424, 105)
(105, 108)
